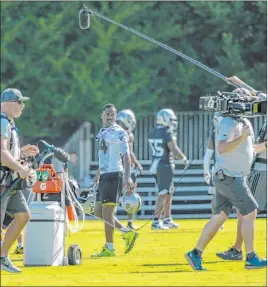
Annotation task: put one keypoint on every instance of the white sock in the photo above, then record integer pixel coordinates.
(20, 245)
(110, 246)
(130, 220)
(1, 243)
(124, 229)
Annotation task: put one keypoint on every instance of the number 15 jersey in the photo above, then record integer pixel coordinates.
(158, 139)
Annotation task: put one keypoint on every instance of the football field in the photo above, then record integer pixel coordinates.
(156, 260)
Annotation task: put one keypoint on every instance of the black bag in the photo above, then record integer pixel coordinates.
(257, 182)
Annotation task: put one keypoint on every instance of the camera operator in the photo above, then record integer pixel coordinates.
(13, 202)
(234, 156)
(257, 174)
(257, 182)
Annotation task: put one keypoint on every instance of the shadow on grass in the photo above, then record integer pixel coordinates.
(175, 231)
(171, 271)
(172, 264)
(160, 232)
(215, 262)
(5, 273)
(16, 260)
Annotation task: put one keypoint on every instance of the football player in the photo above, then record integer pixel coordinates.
(127, 120)
(163, 142)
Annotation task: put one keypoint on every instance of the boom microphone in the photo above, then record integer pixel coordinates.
(47, 146)
(84, 18)
(84, 23)
(59, 153)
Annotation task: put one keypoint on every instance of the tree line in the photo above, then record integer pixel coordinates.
(71, 73)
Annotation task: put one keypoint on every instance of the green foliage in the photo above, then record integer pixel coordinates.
(71, 73)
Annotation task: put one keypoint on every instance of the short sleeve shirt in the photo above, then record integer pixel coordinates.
(236, 163)
(8, 128)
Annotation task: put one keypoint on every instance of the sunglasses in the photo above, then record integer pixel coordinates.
(19, 102)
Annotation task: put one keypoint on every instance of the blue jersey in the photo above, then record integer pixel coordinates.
(158, 139)
(113, 144)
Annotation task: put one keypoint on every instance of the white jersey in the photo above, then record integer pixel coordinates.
(113, 144)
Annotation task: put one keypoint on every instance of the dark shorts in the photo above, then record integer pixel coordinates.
(110, 186)
(233, 191)
(12, 203)
(164, 179)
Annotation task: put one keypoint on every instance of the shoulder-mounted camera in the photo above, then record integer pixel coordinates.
(233, 104)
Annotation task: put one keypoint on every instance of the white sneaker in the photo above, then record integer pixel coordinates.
(171, 224)
(8, 266)
(158, 225)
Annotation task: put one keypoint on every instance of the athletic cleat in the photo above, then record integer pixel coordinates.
(170, 224)
(131, 226)
(158, 226)
(230, 254)
(18, 250)
(130, 237)
(194, 261)
(256, 263)
(106, 252)
(8, 266)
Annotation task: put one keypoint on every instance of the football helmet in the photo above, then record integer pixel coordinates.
(167, 118)
(127, 120)
(87, 198)
(131, 203)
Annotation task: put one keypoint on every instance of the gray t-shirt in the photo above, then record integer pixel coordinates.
(113, 144)
(236, 163)
(7, 128)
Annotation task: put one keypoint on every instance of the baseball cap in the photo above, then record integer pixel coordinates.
(12, 95)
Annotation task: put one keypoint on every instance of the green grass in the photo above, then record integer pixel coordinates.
(157, 260)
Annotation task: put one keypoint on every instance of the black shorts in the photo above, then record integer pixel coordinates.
(164, 179)
(110, 186)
